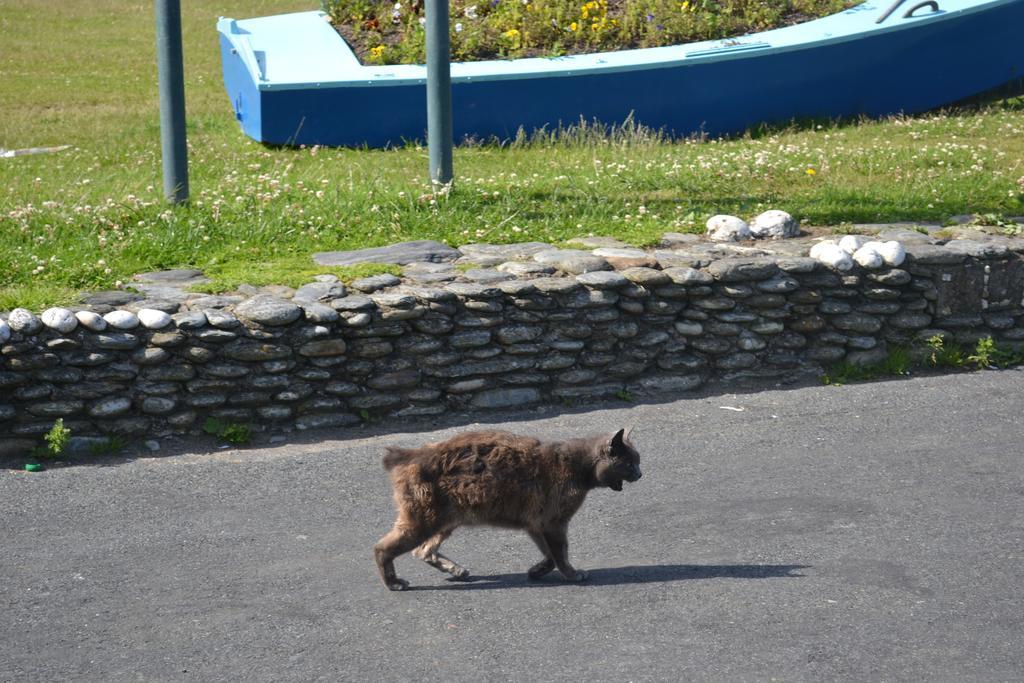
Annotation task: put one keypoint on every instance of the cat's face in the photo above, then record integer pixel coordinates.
(620, 463)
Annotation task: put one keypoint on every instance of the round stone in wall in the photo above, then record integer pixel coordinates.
(892, 253)
(111, 406)
(774, 225)
(268, 310)
(91, 321)
(122, 320)
(24, 321)
(868, 257)
(723, 228)
(5, 331)
(60, 319)
(602, 279)
(153, 319)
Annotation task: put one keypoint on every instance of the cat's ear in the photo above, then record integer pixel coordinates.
(616, 440)
(629, 431)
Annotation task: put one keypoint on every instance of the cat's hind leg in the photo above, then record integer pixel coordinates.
(428, 552)
(546, 565)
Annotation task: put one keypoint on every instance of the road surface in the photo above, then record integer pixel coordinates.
(863, 532)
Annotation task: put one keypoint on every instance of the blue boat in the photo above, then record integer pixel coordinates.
(293, 80)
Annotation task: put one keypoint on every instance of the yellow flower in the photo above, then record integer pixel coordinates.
(810, 171)
(685, 5)
(511, 34)
(377, 52)
(573, 26)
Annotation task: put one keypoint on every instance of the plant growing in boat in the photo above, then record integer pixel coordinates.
(389, 32)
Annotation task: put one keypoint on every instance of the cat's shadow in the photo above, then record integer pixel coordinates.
(616, 576)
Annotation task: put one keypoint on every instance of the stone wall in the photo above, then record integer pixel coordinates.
(421, 346)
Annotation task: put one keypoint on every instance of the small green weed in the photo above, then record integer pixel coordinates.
(232, 432)
(994, 219)
(845, 228)
(111, 446)
(943, 354)
(897, 362)
(988, 354)
(624, 395)
(56, 441)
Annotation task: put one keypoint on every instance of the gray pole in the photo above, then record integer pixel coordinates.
(439, 93)
(172, 100)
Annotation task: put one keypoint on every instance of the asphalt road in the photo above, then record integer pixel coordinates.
(865, 532)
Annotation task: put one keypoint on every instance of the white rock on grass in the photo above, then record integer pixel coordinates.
(892, 253)
(868, 257)
(5, 331)
(122, 320)
(153, 319)
(834, 256)
(722, 228)
(851, 243)
(91, 321)
(60, 319)
(24, 321)
(774, 225)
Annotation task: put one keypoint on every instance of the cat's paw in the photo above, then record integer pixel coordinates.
(459, 574)
(397, 584)
(577, 576)
(540, 569)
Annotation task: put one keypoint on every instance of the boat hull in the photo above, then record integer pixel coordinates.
(723, 89)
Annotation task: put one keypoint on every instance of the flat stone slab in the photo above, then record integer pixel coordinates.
(905, 236)
(204, 301)
(486, 275)
(520, 269)
(571, 261)
(110, 298)
(867, 228)
(426, 277)
(168, 285)
(506, 252)
(671, 240)
(319, 291)
(597, 242)
(374, 283)
(401, 253)
(977, 248)
(178, 277)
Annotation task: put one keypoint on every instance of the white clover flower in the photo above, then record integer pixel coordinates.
(470, 12)
(458, 27)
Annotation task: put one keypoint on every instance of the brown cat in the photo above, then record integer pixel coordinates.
(498, 479)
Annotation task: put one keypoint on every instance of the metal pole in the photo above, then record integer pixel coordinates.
(439, 93)
(172, 100)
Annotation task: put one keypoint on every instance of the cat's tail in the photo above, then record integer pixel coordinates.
(397, 456)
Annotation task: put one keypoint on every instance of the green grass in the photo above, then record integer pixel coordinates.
(291, 271)
(94, 215)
